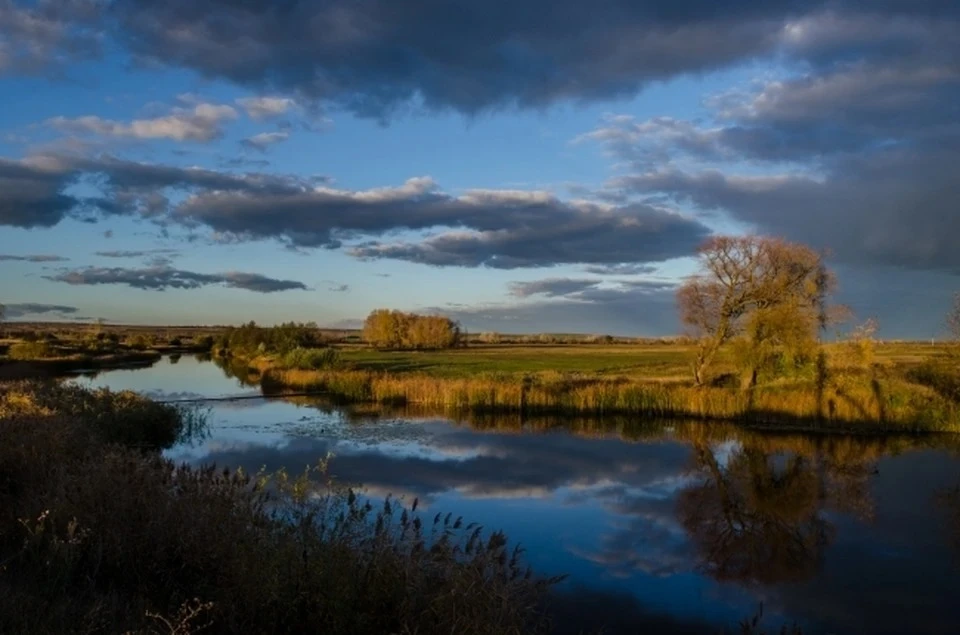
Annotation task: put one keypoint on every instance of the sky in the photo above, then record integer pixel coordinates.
(521, 167)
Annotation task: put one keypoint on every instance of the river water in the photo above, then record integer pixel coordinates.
(660, 527)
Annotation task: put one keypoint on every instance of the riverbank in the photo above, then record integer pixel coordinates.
(77, 362)
(99, 534)
(879, 398)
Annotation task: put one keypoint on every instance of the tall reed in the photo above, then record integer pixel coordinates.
(873, 404)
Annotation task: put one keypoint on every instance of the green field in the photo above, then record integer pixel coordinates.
(665, 362)
(662, 362)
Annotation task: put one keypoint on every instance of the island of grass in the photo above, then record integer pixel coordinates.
(42, 350)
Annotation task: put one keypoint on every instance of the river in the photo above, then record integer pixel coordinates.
(666, 527)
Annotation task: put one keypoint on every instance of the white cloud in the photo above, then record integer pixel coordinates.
(266, 107)
(201, 122)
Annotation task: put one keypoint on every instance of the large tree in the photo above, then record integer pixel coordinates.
(767, 290)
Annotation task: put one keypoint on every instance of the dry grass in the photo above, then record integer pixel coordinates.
(100, 537)
(870, 400)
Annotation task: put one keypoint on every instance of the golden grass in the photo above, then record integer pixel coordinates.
(851, 401)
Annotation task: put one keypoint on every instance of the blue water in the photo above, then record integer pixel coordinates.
(669, 532)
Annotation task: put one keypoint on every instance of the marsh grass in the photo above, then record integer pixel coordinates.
(868, 401)
(97, 535)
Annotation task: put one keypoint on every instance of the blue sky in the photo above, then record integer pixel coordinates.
(201, 162)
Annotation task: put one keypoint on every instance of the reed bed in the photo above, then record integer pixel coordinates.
(888, 403)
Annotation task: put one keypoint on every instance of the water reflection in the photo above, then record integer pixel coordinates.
(662, 526)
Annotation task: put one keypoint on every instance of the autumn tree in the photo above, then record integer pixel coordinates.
(766, 290)
(398, 330)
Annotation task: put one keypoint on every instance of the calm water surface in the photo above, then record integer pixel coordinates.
(667, 528)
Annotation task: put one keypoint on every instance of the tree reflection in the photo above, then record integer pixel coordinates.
(757, 518)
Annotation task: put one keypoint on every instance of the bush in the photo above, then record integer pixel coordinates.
(139, 343)
(116, 417)
(28, 350)
(311, 359)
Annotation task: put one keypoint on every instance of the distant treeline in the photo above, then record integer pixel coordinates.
(387, 329)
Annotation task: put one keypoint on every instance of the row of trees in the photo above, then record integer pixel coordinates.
(387, 329)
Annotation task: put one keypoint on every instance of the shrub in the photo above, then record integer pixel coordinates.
(28, 350)
(139, 342)
(311, 359)
(116, 417)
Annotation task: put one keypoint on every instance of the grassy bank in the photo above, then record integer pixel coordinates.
(99, 534)
(68, 363)
(907, 388)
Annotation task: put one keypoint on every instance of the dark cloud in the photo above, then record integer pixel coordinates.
(855, 151)
(621, 269)
(377, 57)
(165, 277)
(496, 228)
(47, 34)
(551, 287)
(135, 254)
(32, 196)
(33, 258)
(243, 162)
(518, 231)
(12, 311)
(894, 207)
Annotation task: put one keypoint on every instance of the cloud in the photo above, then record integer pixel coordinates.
(853, 152)
(33, 258)
(260, 108)
(159, 278)
(621, 269)
(135, 254)
(503, 229)
(515, 234)
(202, 122)
(374, 60)
(12, 311)
(264, 140)
(560, 305)
(31, 195)
(551, 287)
(47, 35)
(339, 288)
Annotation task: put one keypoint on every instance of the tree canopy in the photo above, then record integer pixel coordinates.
(767, 291)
